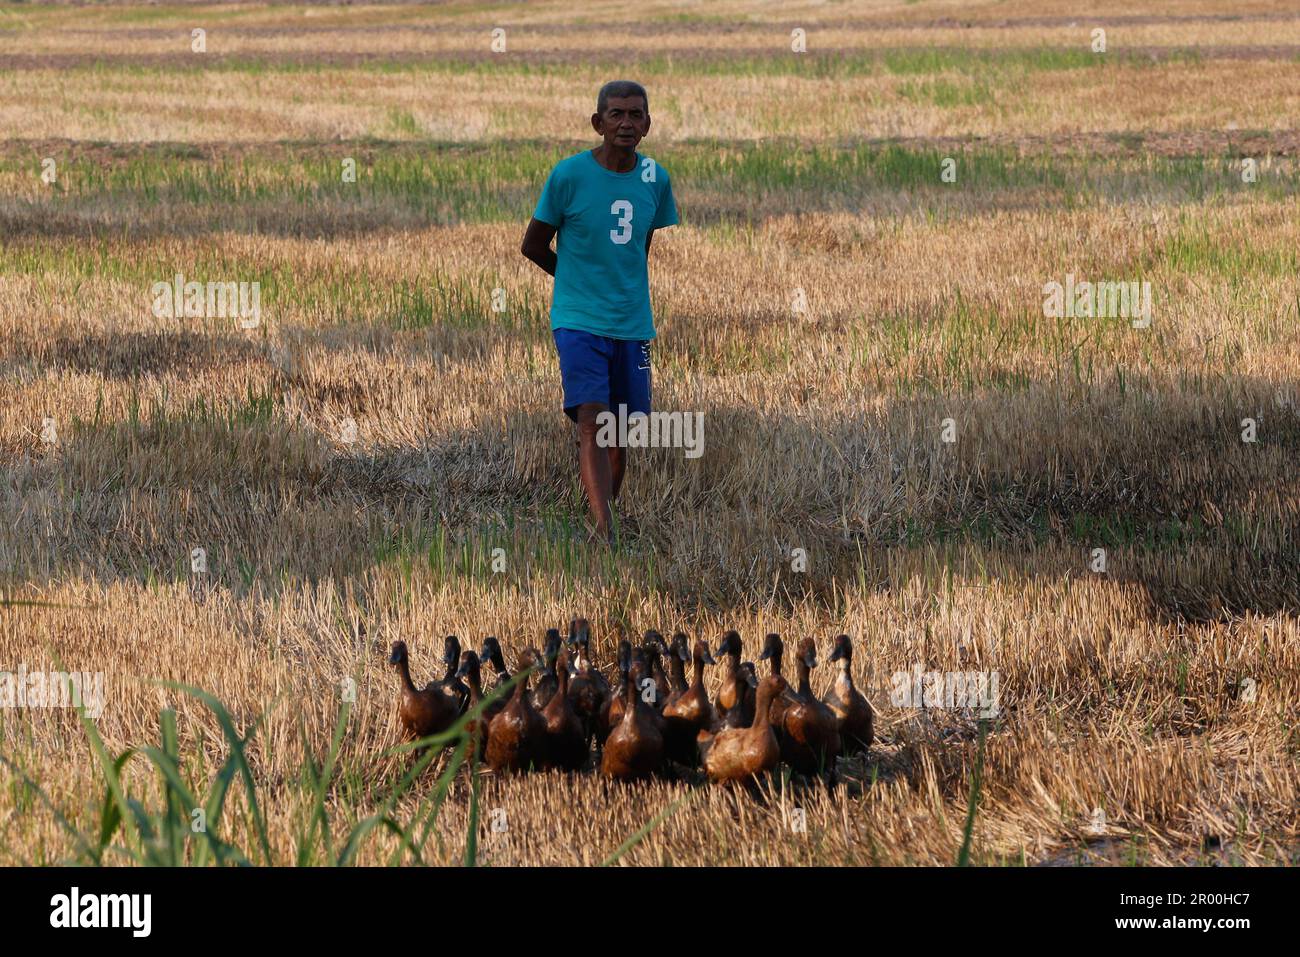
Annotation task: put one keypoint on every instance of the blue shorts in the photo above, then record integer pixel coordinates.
(596, 368)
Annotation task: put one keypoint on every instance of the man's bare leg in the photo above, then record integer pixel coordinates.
(617, 463)
(594, 466)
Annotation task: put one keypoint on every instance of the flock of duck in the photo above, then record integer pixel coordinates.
(652, 722)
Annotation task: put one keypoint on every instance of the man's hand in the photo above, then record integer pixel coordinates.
(537, 245)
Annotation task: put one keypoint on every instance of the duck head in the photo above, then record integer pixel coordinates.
(551, 648)
(579, 640)
(730, 645)
(398, 655)
(580, 634)
(469, 667)
(639, 672)
(749, 673)
(624, 657)
(491, 653)
(654, 648)
(564, 669)
(681, 647)
(529, 658)
(843, 651)
(702, 653)
(450, 651)
(808, 652)
(774, 649)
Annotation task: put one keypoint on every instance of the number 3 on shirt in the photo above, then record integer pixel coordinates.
(623, 210)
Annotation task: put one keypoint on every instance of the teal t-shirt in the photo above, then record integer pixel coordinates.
(602, 219)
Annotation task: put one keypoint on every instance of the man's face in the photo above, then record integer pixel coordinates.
(624, 123)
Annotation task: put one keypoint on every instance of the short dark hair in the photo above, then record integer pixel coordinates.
(620, 88)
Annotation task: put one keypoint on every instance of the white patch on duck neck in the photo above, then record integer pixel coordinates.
(583, 664)
(843, 681)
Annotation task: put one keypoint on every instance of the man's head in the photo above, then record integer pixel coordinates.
(622, 114)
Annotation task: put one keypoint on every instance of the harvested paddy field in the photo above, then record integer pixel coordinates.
(903, 441)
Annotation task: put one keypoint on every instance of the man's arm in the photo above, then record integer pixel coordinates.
(648, 236)
(537, 245)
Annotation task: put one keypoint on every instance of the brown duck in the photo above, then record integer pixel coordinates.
(654, 648)
(516, 738)
(740, 716)
(566, 740)
(491, 655)
(635, 747)
(812, 739)
(450, 683)
(476, 728)
(739, 754)
(612, 713)
(679, 656)
(734, 688)
(588, 689)
(774, 651)
(547, 682)
(423, 711)
(687, 713)
(853, 714)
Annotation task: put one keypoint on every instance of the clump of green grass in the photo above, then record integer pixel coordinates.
(453, 301)
(403, 121)
(946, 93)
(1195, 251)
(551, 545)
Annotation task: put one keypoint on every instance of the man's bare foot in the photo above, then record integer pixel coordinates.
(598, 536)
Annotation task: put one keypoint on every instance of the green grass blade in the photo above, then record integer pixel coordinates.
(320, 818)
(963, 856)
(177, 819)
(471, 826)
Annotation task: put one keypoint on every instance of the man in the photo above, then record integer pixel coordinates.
(604, 205)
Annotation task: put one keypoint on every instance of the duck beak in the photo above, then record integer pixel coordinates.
(811, 659)
(753, 680)
(394, 658)
(767, 653)
(708, 658)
